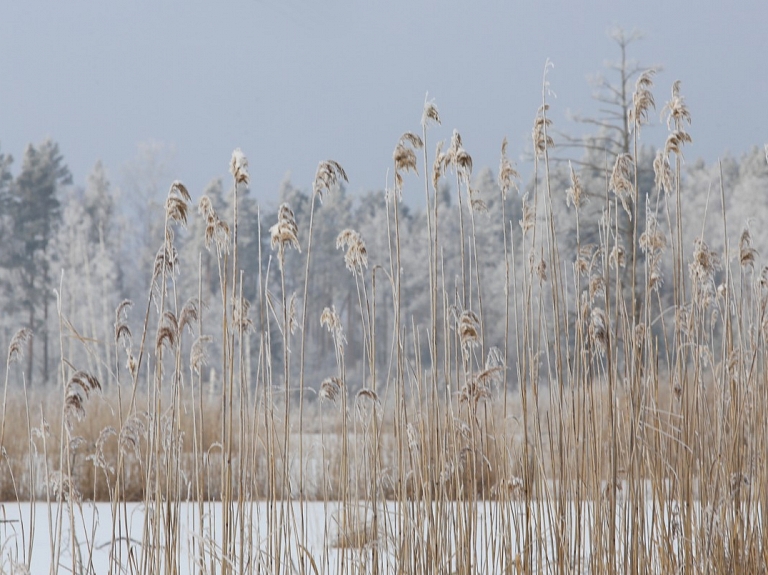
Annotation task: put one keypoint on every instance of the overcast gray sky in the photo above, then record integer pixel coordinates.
(293, 82)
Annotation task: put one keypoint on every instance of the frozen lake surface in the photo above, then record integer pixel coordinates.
(308, 537)
(309, 529)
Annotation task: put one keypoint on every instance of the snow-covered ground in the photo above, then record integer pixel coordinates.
(306, 532)
(26, 532)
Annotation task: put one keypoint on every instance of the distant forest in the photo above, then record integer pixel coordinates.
(71, 252)
(70, 255)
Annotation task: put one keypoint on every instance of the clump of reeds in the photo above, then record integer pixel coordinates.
(614, 427)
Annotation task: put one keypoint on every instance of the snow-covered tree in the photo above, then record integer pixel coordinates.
(32, 211)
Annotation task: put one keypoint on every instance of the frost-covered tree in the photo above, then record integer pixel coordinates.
(32, 213)
(86, 253)
(145, 182)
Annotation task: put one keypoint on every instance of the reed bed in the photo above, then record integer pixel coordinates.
(614, 427)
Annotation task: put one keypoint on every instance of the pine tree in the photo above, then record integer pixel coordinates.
(32, 213)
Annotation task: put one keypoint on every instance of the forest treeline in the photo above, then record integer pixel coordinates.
(70, 252)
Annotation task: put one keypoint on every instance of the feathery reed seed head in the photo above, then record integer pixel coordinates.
(469, 330)
(642, 99)
(459, 158)
(705, 262)
(166, 261)
(240, 314)
(618, 256)
(508, 176)
(438, 166)
(529, 215)
(404, 157)
(189, 314)
(216, 230)
(652, 240)
(621, 181)
(662, 172)
(332, 322)
(177, 203)
(575, 194)
(198, 356)
(356, 257)
(76, 394)
(18, 342)
(327, 176)
(598, 330)
(238, 167)
(747, 253)
(131, 434)
(676, 110)
(429, 115)
(330, 389)
(541, 139)
(122, 331)
(675, 142)
(285, 233)
(168, 332)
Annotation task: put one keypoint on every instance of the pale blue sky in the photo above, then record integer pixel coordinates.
(292, 82)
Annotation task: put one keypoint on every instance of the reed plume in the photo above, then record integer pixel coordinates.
(469, 330)
(459, 158)
(332, 322)
(18, 342)
(198, 356)
(621, 181)
(747, 253)
(404, 157)
(330, 389)
(216, 230)
(508, 176)
(541, 139)
(327, 176)
(574, 195)
(642, 99)
(122, 330)
(429, 114)
(356, 256)
(285, 233)
(77, 392)
(177, 203)
(238, 167)
(662, 172)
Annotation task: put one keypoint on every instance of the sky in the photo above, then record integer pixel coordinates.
(294, 82)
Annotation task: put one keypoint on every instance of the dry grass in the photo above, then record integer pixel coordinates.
(633, 442)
